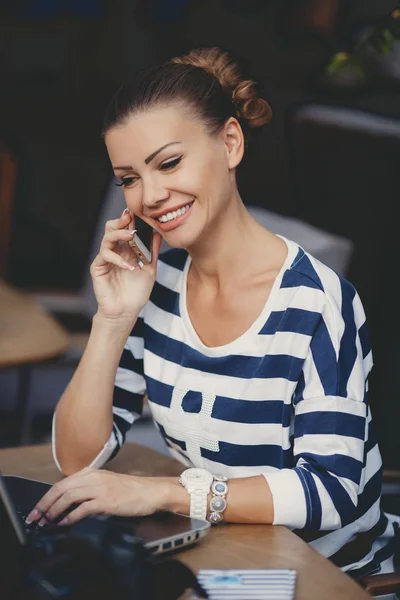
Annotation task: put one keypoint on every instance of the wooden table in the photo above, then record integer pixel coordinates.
(225, 546)
(27, 335)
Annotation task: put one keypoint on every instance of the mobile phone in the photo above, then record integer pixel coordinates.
(142, 241)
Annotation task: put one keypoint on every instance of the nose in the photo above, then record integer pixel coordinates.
(153, 192)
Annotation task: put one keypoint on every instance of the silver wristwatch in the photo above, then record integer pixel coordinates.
(198, 483)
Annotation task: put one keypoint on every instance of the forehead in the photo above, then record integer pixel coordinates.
(149, 130)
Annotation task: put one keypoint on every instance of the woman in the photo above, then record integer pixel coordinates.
(253, 354)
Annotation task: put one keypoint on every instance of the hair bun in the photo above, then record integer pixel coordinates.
(249, 105)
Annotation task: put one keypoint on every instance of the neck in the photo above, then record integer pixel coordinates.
(231, 250)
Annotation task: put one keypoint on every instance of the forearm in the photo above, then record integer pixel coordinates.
(83, 418)
(249, 500)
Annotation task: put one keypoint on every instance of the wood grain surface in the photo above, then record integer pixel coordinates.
(228, 546)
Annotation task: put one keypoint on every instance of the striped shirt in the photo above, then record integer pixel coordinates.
(287, 400)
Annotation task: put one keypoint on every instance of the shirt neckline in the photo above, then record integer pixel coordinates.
(234, 346)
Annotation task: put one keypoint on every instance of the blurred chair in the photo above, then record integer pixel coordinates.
(345, 166)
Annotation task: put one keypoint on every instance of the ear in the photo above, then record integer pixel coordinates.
(234, 142)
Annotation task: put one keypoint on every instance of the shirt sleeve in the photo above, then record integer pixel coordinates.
(129, 390)
(330, 423)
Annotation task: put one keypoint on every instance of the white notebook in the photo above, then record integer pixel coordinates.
(246, 584)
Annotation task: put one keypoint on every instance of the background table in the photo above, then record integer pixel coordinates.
(27, 335)
(226, 546)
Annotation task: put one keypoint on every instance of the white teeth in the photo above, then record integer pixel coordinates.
(173, 215)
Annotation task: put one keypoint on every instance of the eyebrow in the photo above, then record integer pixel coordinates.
(148, 159)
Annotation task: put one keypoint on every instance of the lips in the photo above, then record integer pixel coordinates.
(172, 223)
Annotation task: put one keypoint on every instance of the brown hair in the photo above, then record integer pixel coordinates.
(206, 79)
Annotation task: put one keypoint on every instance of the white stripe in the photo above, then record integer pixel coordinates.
(135, 345)
(332, 404)
(332, 542)
(130, 381)
(330, 518)
(168, 276)
(327, 444)
(291, 343)
(251, 434)
(313, 385)
(174, 374)
(128, 416)
(333, 293)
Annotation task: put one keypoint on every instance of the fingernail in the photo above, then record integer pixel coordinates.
(128, 266)
(64, 521)
(33, 516)
(132, 232)
(42, 522)
(125, 211)
(141, 265)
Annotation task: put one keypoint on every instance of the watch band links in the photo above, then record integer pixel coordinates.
(198, 504)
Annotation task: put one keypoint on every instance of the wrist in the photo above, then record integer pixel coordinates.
(176, 498)
(120, 325)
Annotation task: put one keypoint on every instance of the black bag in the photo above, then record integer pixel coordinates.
(101, 559)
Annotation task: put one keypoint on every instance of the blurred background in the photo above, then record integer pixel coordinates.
(325, 172)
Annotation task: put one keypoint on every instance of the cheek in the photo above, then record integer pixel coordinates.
(133, 199)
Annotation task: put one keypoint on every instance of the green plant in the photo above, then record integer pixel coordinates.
(380, 38)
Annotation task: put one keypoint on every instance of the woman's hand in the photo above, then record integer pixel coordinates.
(121, 287)
(102, 492)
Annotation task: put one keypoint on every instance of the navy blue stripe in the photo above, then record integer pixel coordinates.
(228, 409)
(252, 411)
(339, 496)
(299, 391)
(158, 392)
(244, 367)
(370, 494)
(236, 455)
(128, 400)
(358, 548)
(339, 464)
(122, 425)
(325, 422)
(313, 502)
(292, 320)
(374, 566)
(372, 441)
(292, 279)
(348, 348)
(305, 267)
(175, 257)
(324, 358)
(138, 330)
(129, 362)
(364, 339)
(165, 298)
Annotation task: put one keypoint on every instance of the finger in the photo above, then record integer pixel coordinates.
(44, 504)
(120, 223)
(108, 257)
(85, 509)
(72, 496)
(111, 238)
(54, 493)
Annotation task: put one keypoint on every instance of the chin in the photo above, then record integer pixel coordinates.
(181, 239)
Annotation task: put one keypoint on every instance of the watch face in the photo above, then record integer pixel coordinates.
(199, 475)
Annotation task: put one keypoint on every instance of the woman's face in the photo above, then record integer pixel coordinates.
(176, 176)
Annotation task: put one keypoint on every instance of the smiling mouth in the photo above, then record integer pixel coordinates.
(174, 214)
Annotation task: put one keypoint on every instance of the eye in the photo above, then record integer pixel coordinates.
(171, 164)
(126, 181)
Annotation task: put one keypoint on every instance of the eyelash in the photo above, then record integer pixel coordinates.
(164, 167)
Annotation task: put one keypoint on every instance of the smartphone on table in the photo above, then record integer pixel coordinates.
(142, 241)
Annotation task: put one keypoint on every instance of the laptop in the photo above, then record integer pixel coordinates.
(160, 533)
